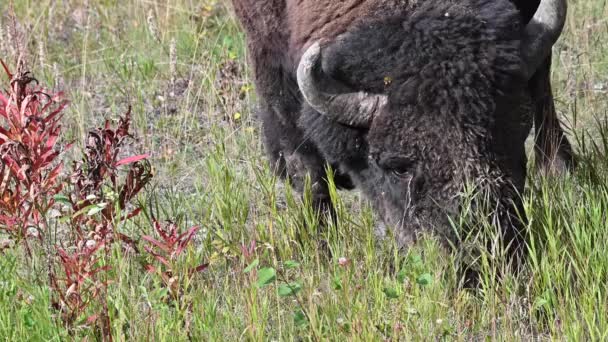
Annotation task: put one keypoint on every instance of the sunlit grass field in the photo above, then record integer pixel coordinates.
(182, 66)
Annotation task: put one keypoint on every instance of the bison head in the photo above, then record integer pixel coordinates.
(415, 107)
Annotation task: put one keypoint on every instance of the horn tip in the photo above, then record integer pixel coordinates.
(307, 63)
(311, 55)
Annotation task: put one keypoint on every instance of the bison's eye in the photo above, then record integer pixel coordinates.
(399, 166)
(401, 173)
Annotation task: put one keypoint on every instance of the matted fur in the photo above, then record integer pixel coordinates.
(457, 108)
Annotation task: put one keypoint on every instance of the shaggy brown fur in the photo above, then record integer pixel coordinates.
(278, 30)
(468, 115)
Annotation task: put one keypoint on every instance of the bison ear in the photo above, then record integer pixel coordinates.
(332, 98)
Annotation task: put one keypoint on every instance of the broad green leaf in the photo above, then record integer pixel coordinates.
(96, 209)
(289, 289)
(299, 318)
(336, 283)
(84, 210)
(28, 319)
(64, 219)
(401, 276)
(62, 199)
(415, 260)
(251, 266)
(390, 293)
(266, 276)
(540, 302)
(424, 279)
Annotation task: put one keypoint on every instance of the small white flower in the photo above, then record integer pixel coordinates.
(31, 231)
(91, 244)
(343, 261)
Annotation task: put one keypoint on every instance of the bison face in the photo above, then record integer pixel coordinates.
(418, 164)
(414, 108)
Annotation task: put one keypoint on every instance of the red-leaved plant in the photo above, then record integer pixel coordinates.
(98, 201)
(92, 200)
(166, 250)
(29, 172)
(87, 205)
(81, 281)
(98, 188)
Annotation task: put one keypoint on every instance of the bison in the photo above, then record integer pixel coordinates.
(407, 100)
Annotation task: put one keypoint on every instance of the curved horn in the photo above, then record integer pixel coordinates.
(542, 32)
(335, 101)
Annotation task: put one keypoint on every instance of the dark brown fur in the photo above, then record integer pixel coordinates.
(278, 30)
(300, 142)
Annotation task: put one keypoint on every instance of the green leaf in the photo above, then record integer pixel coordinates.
(266, 276)
(84, 210)
(290, 289)
(540, 302)
(62, 199)
(291, 264)
(63, 219)
(28, 319)
(415, 260)
(299, 319)
(390, 293)
(424, 279)
(251, 266)
(336, 283)
(96, 209)
(402, 276)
